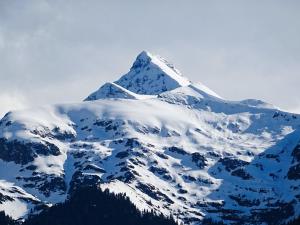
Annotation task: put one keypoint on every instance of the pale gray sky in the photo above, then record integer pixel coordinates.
(60, 51)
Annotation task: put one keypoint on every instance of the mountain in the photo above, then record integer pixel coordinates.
(149, 75)
(171, 145)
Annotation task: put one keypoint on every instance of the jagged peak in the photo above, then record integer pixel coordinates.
(152, 75)
(149, 75)
(145, 58)
(142, 59)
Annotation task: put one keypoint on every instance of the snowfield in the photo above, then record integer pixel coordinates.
(171, 145)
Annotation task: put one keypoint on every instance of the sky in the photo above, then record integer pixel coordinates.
(60, 51)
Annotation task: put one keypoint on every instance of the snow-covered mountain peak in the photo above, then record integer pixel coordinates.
(153, 75)
(149, 75)
(143, 59)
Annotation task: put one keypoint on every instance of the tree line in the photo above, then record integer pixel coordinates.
(92, 206)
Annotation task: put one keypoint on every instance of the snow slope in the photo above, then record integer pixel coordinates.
(112, 90)
(183, 151)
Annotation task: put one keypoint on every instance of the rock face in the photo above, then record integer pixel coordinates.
(294, 170)
(175, 147)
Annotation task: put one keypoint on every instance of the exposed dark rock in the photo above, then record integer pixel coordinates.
(191, 220)
(167, 177)
(121, 164)
(95, 168)
(153, 193)
(62, 135)
(273, 215)
(294, 172)
(31, 167)
(23, 153)
(214, 154)
(242, 174)
(122, 155)
(45, 183)
(199, 160)
(217, 205)
(161, 155)
(181, 198)
(8, 123)
(232, 163)
(182, 191)
(296, 153)
(138, 162)
(4, 198)
(272, 156)
(210, 221)
(108, 125)
(242, 201)
(177, 150)
(110, 177)
(259, 165)
(82, 180)
(205, 181)
(78, 155)
(15, 151)
(132, 142)
(154, 130)
(123, 169)
(84, 128)
(102, 123)
(189, 178)
(46, 149)
(161, 171)
(129, 175)
(53, 184)
(55, 133)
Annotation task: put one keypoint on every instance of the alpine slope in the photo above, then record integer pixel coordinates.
(170, 144)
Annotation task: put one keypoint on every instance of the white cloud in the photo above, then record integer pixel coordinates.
(55, 51)
(9, 102)
(295, 110)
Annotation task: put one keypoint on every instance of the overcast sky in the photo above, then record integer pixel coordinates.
(60, 51)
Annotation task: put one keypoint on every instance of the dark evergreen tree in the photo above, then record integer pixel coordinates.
(294, 222)
(6, 220)
(91, 206)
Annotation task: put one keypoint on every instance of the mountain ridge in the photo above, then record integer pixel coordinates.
(184, 151)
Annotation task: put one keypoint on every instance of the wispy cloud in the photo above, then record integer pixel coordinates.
(12, 101)
(58, 51)
(295, 110)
